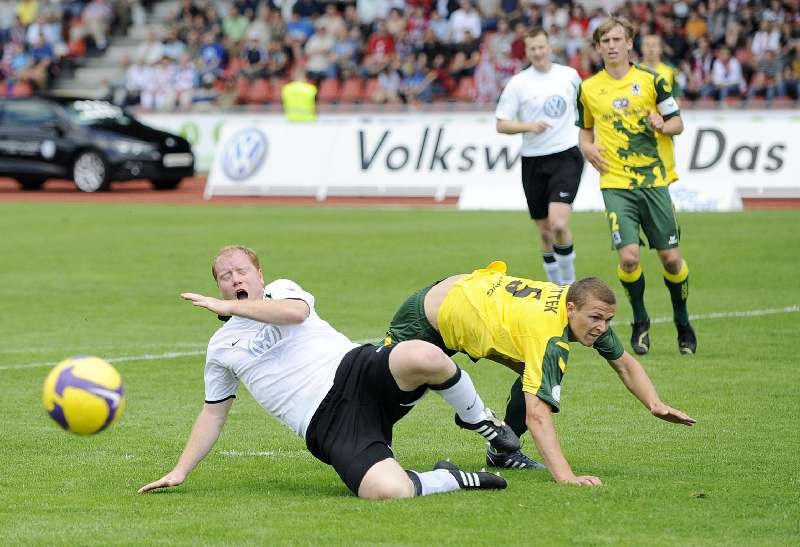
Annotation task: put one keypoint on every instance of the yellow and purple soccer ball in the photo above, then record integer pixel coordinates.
(84, 395)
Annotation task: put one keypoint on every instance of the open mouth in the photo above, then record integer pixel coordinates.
(241, 294)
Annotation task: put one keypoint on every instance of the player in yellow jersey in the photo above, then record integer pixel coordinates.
(651, 58)
(627, 118)
(528, 326)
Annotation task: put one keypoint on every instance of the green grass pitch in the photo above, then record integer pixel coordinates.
(104, 280)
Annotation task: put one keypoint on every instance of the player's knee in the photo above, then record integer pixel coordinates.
(386, 488)
(421, 359)
(559, 227)
(628, 263)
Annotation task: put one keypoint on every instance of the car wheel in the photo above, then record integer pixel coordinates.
(165, 184)
(90, 172)
(31, 184)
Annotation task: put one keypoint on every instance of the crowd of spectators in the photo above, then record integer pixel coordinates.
(412, 51)
(39, 38)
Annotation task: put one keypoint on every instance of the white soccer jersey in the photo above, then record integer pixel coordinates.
(287, 368)
(543, 96)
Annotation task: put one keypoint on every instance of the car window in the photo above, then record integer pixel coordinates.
(97, 113)
(28, 113)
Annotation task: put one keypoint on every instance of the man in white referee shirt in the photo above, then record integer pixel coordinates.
(342, 398)
(539, 102)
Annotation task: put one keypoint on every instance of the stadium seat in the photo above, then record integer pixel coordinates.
(370, 88)
(352, 90)
(22, 89)
(260, 92)
(277, 87)
(233, 69)
(242, 89)
(466, 90)
(328, 90)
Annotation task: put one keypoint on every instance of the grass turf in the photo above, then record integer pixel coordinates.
(104, 280)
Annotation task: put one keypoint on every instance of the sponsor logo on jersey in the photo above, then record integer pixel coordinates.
(621, 103)
(555, 106)
(244, 153)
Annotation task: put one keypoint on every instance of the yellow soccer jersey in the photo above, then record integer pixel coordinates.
(637, 156)
(670, 74)
(489, 314)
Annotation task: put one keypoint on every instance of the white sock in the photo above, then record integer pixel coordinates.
(460, 393)
(566, 266)
(439, 481)
(553, 272)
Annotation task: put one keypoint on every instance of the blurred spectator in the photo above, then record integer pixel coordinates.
(465, 19)
(27, 11)
(212, 58)
(277, 59)
(159, 89)
(440, 27)
(415, 85)
(344, 53)
(380, 49)
(331, 20)
(318, 51)
(500, 42)
(172, 46)
(307, 9)
(768, 79)
(260, 26)
(726, 77)
(151, 50)
(395, 22)
(185, 82)
(675, 45)
(699, 78)
(388, 90)
(234, 25)
(696, 24)
(254, 57)
(767, 38)
(97, 16)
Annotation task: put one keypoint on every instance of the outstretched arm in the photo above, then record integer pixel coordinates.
(636, 380)
(540, 423)
(286, 311)
(204, 434)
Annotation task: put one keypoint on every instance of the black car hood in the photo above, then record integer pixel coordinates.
(136, 131)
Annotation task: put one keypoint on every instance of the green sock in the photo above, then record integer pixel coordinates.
(633, 283)
(515, 409)
(678, 285)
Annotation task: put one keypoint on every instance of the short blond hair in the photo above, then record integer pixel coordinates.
(251, 254)
(610, 23)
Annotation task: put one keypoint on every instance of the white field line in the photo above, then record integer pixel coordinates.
(176, 354)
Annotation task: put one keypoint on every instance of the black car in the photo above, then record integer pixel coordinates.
(91, 142)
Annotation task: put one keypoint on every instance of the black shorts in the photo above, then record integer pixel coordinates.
(352, 427)
(551, 178)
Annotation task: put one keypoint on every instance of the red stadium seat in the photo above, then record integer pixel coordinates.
(353, 90)
(22, 89)
(277, 87)
(328, 91)
(466, 90)
(260, 92)
(370, 88)
(242, 89)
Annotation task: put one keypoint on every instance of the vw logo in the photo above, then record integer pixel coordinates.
(244, 153)
(555, 106)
